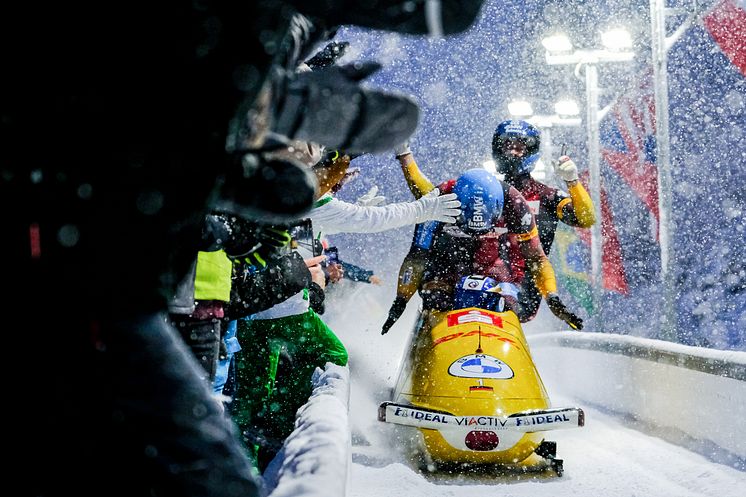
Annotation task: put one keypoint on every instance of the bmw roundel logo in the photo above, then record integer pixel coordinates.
(480, 366)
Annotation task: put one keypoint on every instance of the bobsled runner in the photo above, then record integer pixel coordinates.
(468, 383)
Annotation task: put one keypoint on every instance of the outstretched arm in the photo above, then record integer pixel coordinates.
(521, 222)
(411, 271)
(356, 273)
(543, 274)
(336, 216)
(417, 182)
(537, 263)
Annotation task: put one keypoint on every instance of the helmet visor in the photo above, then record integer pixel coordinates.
(514, 147)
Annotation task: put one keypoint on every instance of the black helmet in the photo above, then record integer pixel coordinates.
(520, 131)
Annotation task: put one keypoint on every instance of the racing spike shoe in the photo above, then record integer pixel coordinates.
(330, 107)
(271, 191)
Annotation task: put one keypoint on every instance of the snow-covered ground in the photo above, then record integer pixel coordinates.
(606, 457)
(603, 458)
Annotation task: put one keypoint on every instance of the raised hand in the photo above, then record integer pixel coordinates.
(566, 169)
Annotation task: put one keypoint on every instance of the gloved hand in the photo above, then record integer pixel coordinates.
(274, 237)
(370, 198)
(559, 309)
(329, 55)
(402, 149)
(437, 207)
(566, 169)
(256, 261)
(330, 107)
(397, 309)
(271, 242)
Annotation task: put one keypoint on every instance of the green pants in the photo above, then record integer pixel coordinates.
(267, 398)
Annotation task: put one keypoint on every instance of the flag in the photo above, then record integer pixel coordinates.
(628, 141)
(628, 132)
(612, 261)
(572, 260)
(726, 23)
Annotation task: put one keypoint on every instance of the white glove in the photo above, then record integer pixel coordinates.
(437, 207)
(370, 198)
(566, 169)
(402, 149)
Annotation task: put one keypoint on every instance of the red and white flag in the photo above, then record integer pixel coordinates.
(612, 260)
(726, 23)
(628, 141)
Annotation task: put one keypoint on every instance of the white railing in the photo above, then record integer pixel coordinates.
(686, 394)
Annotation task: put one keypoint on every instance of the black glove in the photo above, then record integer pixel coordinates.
(316, 298)
(273, 236)
(329, 55)
(331, 108)
(272, 243)
(560, 310)
(397, 309)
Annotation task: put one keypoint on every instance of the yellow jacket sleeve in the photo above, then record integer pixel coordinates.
(582, 205)
(544, 279)
(410, 275)
(537, 262)
(417, 182)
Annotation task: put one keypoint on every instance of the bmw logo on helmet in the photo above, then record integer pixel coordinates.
(481, 196)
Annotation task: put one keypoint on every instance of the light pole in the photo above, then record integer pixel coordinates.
(559, 50)
(663, 162)
(661, 43)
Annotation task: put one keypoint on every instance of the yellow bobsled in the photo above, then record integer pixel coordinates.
(469, 384)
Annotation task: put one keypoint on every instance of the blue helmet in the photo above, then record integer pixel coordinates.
(474, 291)
(482, 200)
(520, 131)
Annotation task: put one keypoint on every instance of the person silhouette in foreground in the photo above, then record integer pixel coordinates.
(120, 129)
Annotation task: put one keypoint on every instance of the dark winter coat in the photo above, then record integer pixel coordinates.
(114, 120)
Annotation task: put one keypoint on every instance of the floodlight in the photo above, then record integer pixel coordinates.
(566, 108)
(520, 108)
(557, 43)
(616, 39)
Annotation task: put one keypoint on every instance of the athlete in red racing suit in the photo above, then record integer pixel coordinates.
(441, 254)
(515, 148)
